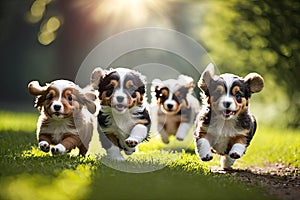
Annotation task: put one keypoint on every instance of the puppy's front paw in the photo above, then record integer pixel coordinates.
(182, 131)
(130, 151)
(44, 146)
(58, 149)
(203, 150)
(131, 142)
(207, 157)
(113, 153)
(237, 151)
(234, 155)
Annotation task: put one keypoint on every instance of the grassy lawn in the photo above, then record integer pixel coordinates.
(28, 173)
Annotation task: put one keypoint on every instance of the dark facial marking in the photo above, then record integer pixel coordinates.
(108, 84)
(132, 84)
(180, 94)
(161, 94)
(240, 90)
(217, 89)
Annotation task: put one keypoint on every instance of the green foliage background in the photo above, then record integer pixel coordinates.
(263, 36)
(240, 36)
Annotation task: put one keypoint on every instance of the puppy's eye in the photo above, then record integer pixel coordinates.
(109, 93)
(70, 98)
(132, 91)
(133, 95)
(238, 97)
(50, 97)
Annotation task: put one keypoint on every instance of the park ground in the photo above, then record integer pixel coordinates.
(268, 170)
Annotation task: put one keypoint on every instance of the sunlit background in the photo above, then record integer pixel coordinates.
(48, 39)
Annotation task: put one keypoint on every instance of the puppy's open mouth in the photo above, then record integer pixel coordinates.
(120, 107)
(57, 114)
(228, 113)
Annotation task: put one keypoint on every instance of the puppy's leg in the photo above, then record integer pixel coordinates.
(82, 149)
(137, 135)
(238, 146)
(130, 151)
(164, 136)
(85, 137)
(44, 142)
(69, 142)
(182, 130)
(237, 150)
(226, 162)
(203, 149)
(112, 152)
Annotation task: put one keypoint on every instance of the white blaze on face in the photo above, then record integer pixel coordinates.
(170, 104)
(120, 98)
(227, 100)
(60, 86)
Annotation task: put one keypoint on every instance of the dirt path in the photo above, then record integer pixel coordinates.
(279, 180)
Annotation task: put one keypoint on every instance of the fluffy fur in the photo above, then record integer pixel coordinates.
(225, 124)
(123, 118)
(174, 107)
(65, 120)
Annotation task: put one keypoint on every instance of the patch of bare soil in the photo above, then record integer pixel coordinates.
(279, 180)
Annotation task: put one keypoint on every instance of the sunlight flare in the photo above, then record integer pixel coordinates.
(124, 11)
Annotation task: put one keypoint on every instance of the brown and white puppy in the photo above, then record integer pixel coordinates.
(225, 124)
(123, 117)
(174, 107)
(65, 120)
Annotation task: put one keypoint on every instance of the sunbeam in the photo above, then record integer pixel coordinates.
(125, 12)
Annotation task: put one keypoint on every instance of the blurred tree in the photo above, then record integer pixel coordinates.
(258, 35)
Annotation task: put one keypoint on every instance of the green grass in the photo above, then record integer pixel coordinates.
(173, 171)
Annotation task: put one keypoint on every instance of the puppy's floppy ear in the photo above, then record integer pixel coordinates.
(86, 99)
(188, 81)
(156, 84)
(90, 105)
(96, 77)
(39, 91)
(206, 77)
(255, 81)
(35, 88)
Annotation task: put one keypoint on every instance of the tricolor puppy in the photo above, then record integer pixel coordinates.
(174, 107)
(123, 117)
(225, 124)
(65, 120)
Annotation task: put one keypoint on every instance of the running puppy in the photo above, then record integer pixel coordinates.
(174, 107)
(123, 117)
(65, 120)
(225, 124)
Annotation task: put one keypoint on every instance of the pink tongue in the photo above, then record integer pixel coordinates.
(120, 107)
(227, 113)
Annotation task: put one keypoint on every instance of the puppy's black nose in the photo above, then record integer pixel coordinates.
(226, 104)
(120, 99)
(170, 106)
(57, 107)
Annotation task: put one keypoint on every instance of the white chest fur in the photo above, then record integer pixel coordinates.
(120, 124)
(219, 133)
(56, 127)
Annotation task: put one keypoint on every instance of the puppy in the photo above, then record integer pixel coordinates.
(123, 117)
(65, 119)
(174, 107)
(225, 124)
